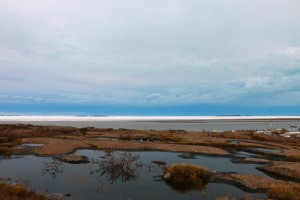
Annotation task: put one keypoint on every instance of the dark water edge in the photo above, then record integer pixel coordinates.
(78, 180)
(189, 125)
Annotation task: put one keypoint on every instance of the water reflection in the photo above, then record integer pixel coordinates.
(53, 168)
(116, 166)
(125, 167)
(187, 156)
(184, 188)
(146, 184)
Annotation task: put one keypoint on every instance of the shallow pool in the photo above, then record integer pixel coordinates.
(47, 175)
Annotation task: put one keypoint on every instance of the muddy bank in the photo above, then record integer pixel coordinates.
(249, 160)
(250, 182)
(289, 170)
(55, 146)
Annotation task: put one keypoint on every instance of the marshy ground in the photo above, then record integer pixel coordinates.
(280, 155)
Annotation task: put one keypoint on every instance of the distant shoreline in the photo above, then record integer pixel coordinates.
(146, 118)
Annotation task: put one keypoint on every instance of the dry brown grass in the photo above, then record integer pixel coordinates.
(18, 131)
(293, 141)
(18, 192)
(188, 174)
(186, 177)
(188, 140)
(4, 150)
(62, 146)
(293, 157)
(290, 170)
(285, 192)
(161, 136)
(167, 138)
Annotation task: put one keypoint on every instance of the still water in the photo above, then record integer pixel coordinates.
(48, 175)
(189, 125)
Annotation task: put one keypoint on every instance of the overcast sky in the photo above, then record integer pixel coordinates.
(150, 52)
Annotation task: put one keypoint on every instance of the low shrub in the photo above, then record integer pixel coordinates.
(186, 177)
(116, 166)
(285, 192)
(188, 174)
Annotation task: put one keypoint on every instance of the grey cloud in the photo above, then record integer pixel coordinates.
(149, 51)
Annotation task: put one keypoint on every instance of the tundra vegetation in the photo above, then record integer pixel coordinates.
(280, 152)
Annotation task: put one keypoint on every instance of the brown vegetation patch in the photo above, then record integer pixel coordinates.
(166, 138)
(55, 146)
(284, 192)
(4, 150)
(277, 139)
(132, 145)
(7, 149)
(18, 191)
(197, 140)
(249, 181)
(18, 131)
(187, 174)
(289, 170)
(293, 157)
(183, 177)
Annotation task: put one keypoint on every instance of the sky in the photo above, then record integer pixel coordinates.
(75, 55)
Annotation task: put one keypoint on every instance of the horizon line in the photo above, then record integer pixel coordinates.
(140, 118)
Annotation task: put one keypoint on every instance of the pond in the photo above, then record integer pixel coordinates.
(85, 181)
(31, 145)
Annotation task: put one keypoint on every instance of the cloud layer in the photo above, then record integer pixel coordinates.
(156, 52)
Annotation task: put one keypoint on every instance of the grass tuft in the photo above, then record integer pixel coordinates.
(188, 174)
(186, 177)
